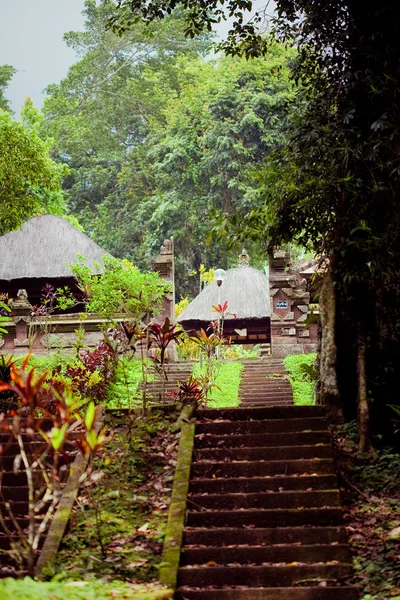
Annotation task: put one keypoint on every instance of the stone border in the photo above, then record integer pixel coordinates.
(177, 510)
(62, 515)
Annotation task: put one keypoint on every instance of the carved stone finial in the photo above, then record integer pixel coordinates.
(244, 259)
(166, 248)
(22, 295)
(21, 305)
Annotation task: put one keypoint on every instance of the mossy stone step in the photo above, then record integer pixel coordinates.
(289, 499)
(263, 484)
(262, 439)
(261, 468)
(225, 427)
(261, 517)
(263, 453)
(286, 593)
(259, 555)
(228, 536)
(244, 414)
(267, 576)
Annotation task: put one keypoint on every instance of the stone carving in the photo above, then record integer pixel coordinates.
(290, 302)
(167, 247)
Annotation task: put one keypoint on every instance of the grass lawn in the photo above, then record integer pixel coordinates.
(228, 380)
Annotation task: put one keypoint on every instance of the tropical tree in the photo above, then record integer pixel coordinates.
(335, 187)
(6, 74)
(30, 181)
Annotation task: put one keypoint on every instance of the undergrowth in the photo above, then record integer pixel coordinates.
(28, 589)
(303, 377)
(123, 391)
(370, 492)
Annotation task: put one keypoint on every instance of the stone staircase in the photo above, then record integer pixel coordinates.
(265, 382)
(175, 372)
(264, 520)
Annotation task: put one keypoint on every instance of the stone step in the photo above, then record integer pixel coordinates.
(263, 484)
(271, 425)
(267, 576)
(9, 478)
(241, 414)
(282, 500)
(260, 453)
(262, 439)
(20, 508)
(261, 400)
(262, 468)
(259, 555)
(257, 403)
(276, 593)
(259, 517)
(228, 536)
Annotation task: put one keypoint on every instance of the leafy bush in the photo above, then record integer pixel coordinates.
(120, 289)
(123, 392)
(303, 377)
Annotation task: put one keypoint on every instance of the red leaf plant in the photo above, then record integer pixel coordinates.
(43, 443)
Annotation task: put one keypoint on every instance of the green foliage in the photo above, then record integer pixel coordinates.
(29, 589)
(333, 187)
(303, 377)
(123, 391)
(226, 394)
(4, 319)
(157, 138)
(121, 289)
(30, 181)
(6, 74)
(243, 39)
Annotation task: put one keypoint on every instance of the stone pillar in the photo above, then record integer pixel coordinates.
(289, 309)
(164, 264)
(21, 314)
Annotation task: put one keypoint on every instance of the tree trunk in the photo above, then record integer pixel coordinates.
(365, 445)
(328, 390)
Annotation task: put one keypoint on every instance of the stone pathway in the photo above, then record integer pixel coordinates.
(265, 382)
(264, 520)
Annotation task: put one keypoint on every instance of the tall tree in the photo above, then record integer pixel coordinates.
(336, 185)
(6, 74)
(30, 181)
(101, 110)
(157, 138)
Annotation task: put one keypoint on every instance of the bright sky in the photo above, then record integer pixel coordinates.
(31, 40)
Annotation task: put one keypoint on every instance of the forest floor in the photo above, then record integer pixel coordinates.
(370, 487)
(117, 528)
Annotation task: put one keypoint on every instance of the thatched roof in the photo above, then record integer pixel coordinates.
(245, 289)
(42, 249)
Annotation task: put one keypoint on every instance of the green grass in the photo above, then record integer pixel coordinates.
(228, 380)
(302, 376)
(28, 589)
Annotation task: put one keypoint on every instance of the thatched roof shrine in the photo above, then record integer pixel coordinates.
(247, 292)
(39, 252)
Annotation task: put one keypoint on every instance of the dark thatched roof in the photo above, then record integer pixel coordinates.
(42, 249)
(245, 289)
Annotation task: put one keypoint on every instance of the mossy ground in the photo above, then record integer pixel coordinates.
(370, 488)
(117, 527)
